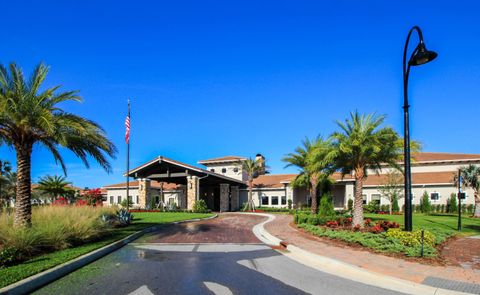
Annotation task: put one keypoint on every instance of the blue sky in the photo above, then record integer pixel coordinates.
(215, 78)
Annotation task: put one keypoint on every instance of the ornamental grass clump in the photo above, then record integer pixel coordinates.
(53, 228)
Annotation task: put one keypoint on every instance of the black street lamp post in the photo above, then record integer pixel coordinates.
(419, 56)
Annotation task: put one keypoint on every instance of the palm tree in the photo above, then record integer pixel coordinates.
(314, 169)
(363, 144)
(471, 178)
(54, 186)
(253, 168)
(29, 115)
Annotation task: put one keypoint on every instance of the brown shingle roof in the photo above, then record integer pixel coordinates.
(429, 157)
(222, 159)
(417, 178)
(272, 180)
(154, 184)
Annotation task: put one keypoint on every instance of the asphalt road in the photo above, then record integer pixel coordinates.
(151, 266)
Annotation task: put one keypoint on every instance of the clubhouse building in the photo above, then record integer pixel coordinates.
(223, 184)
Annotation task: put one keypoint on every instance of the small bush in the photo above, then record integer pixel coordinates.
(395, 207)
(200, 206)
(350, 205)
(290, 202)
(413, 238)
(452, 204)
(8, 256)
(425, 205)
(326, 206)
(470, 208)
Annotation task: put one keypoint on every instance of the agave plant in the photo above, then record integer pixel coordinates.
(124, 217)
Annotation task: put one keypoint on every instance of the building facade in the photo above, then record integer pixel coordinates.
(223, 183)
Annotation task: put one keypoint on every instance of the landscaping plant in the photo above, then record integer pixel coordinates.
(326, 206)
(425, 205)
(200, 206)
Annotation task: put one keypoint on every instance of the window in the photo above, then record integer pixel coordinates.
(264, 200)
(434, 196)
(284, 200)
(119, 199)
(235, 169)
(111, 199)
(212, 170)
(171, 201)
(275, 200)
(157, 199)
(224, 170)
(138, 201)
(364, 199)
(377, 198)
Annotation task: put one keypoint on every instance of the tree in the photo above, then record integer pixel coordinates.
(362, 144)
(29, 115)
(452, 203)
(471, 178)
(253, 168)
(314, 169)
(326, 205)
(54, 186)
(391, 189)
(425, 205)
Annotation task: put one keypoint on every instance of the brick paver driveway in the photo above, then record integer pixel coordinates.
(227, 228)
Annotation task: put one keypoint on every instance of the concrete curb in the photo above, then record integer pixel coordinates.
(345, 270)
(34, 282)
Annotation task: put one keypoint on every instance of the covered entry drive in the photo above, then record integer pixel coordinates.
(221, 193)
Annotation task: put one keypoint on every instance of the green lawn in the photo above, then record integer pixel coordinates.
(470, 226)
(12, 274)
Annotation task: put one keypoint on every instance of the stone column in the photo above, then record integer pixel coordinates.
(192, 191)
(182, 197)
(143, 196)
(224, 196)
(234, 198)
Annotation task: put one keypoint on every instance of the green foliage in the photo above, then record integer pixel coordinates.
(395, 207)
(124, 203)
(312, 219)
(378, 242)
(55, 186)
(372, 207)
(470, 208)
(200, 206)
(452, 206)
(425, 205)
(326, 206)
(124, 217)
(9, 256)
(350, 205)
(413, 238)
(289, 202)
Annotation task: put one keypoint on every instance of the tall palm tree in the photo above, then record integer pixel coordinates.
(310, 159)
(30, 115)
(471, 178)
(363, 144)
(54, 186)
(253, 168)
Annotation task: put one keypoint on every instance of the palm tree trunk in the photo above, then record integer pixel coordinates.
(250, 195)
(477, 206)
(358, 200)
(23, 205)
(313, 195)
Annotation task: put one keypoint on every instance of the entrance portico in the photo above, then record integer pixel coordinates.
(219, 192)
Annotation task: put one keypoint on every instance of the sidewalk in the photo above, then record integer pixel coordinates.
(399, 268)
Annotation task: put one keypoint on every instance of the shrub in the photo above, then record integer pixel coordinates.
(290, 202)
(53, 228)
(124, 203)
(350, 205)
(326, 206)
(372, 207)
(124, 217)
(464, 208)
(442, 208)
(200, 206)
(452, 204)
(425, 205)
(395, 207)
(413, 238)
(8, 256)
(470, 208)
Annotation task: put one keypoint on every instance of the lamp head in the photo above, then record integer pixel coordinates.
(421, 55)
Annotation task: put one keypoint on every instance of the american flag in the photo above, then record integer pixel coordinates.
(127, 129)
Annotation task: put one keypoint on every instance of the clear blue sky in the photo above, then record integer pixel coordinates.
(215, 78)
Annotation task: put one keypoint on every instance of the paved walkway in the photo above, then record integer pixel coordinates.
(408, 270)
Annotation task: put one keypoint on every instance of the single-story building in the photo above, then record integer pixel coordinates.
(223, 183)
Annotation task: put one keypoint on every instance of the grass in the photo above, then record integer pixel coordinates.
(12, 274)
(438, 222)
